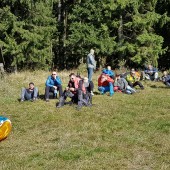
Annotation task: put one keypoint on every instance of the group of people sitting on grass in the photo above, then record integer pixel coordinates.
(80, 90)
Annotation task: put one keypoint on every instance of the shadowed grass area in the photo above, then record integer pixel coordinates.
(119, 132)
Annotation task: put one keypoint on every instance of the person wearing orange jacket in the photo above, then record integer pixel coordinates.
(105, 84)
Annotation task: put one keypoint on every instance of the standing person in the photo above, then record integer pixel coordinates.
(53, 84)
(91, 65)
(105, 84)
(30, 93)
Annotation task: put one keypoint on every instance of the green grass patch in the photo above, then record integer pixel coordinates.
(119, 132)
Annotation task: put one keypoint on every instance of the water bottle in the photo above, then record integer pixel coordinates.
(55, 93)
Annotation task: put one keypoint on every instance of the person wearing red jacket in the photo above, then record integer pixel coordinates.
(105, 84)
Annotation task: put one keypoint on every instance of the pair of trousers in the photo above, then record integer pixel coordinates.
(26, 94)
(137, 83)
(104, 89)
(90, 73)
(52, 89)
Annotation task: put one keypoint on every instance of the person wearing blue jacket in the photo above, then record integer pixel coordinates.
(53, 84)
(109, 72)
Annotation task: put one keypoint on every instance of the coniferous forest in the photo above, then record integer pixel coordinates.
(40, 34)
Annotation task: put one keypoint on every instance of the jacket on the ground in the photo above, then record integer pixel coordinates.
(105, 83)
(53, 82)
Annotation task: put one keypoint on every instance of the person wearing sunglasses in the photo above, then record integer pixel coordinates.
(53, 84)
(77, 91)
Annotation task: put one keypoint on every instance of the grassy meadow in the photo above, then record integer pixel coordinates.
(123, 132)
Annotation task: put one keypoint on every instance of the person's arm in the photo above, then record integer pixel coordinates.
(48, 82)
(155, 70)
(125, 82)
(111, 73)
(110, 80)
(58, 80)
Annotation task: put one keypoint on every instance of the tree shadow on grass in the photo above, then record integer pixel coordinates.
(162, 87)
(96, 93)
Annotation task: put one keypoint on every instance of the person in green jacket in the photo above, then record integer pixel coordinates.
(133, 81)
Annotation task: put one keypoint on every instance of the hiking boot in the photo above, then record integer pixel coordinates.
(142, 88)
(47, 100)
(111, 94)
(61, 102)
(78, 107)
(21, 100)
(60, 105)
(92, 93)
(34, 99)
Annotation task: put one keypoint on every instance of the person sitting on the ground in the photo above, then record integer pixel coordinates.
(30, 93)
(137, 74)
(166, 78)
(53, 84)
(77, 91)
(133, 80)
(150, 73)
(105, 84)
(109, 72)
(121, 84)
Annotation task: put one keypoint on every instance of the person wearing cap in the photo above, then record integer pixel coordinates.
(76, 90)
(30, 93)
(133, 80)
(53, 84)
(105, 84)
(91, 64)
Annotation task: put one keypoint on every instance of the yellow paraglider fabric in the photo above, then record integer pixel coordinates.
(5, 129)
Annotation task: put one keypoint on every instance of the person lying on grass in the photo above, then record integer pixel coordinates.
(121, 85)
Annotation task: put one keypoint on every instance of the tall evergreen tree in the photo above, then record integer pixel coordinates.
(26, 33)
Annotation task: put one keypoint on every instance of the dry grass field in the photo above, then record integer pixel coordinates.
(123, 132)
